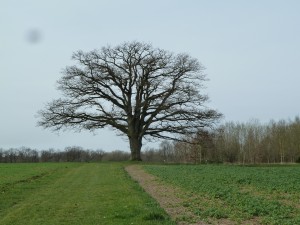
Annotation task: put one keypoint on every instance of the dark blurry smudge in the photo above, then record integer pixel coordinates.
(33, 36)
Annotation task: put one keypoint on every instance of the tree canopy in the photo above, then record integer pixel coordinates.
(139, 90)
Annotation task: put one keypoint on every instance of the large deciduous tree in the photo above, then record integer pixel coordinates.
(137, 89)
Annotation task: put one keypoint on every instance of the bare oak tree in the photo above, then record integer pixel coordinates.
(140, 91)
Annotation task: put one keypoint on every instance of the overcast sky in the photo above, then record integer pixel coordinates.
(251, 51)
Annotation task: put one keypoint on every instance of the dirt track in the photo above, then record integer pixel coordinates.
(170, 198)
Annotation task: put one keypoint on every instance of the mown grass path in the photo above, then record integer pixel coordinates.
(83, 194)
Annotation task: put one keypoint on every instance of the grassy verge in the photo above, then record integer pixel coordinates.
(251, 195)
(83, 194)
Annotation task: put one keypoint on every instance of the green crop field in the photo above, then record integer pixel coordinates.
(257, 194)
(74, 193)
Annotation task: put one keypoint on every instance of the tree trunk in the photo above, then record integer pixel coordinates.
(135, 148)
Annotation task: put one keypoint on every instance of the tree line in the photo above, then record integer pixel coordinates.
(233, 142)
(73, 154)
(70, 154)
(244, 143)
(253, 142)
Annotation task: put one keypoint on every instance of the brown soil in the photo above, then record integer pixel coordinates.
(171, 198)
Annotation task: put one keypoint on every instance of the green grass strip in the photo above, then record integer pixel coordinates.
(83, 194)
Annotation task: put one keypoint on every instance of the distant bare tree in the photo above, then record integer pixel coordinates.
(167, 151)
(1, 155)
(134, 88)
(152, 155)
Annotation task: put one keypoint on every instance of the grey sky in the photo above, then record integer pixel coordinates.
(251, 50)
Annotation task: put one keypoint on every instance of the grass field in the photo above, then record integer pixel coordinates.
(74, 193)
(242, 194)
